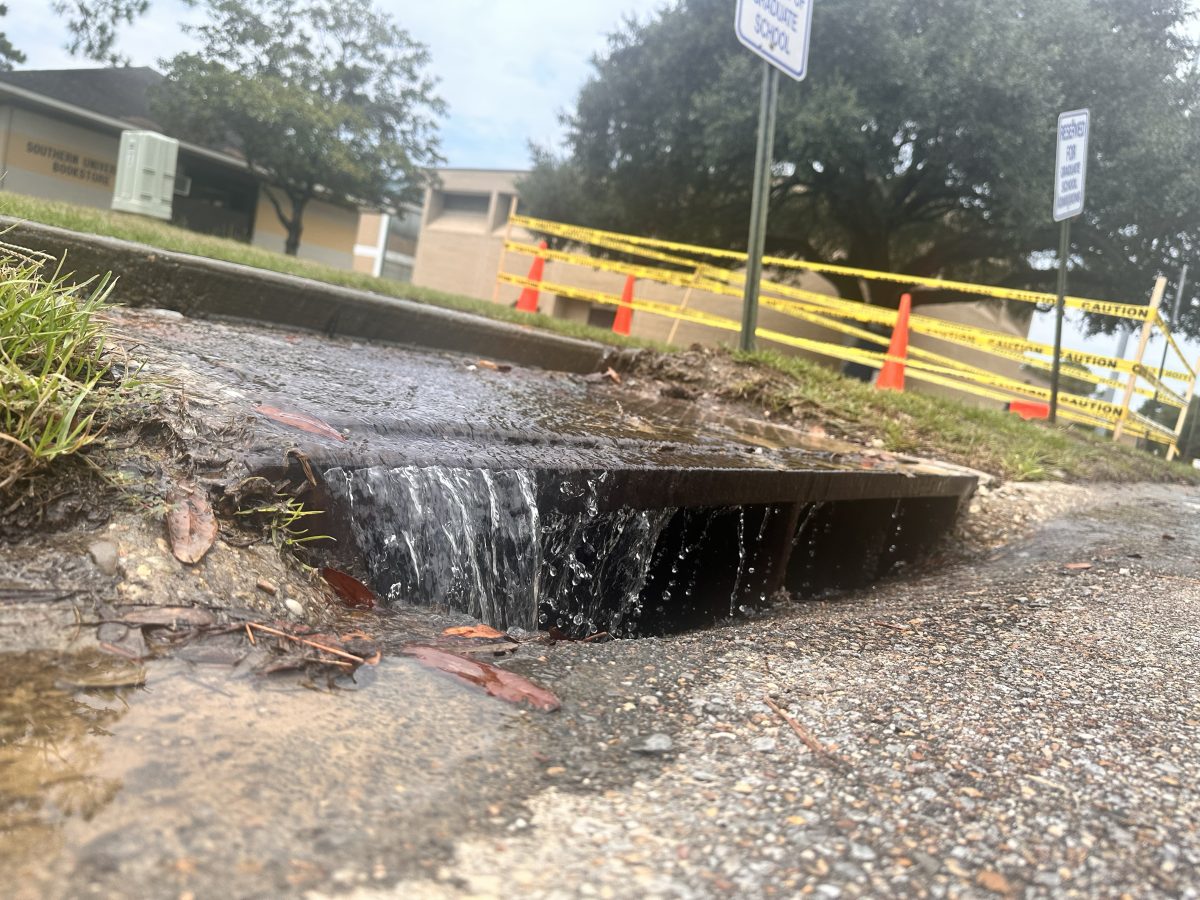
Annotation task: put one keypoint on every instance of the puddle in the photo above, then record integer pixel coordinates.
(122, 780)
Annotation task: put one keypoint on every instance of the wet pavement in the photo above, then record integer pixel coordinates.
(999, 725)
(406, 406)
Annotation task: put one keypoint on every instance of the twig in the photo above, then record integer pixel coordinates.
(120, 651)
(890, 625)
(809, 741)
(306, 642)
(250, 635)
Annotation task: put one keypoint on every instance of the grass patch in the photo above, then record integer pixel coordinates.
(281, 519)
(922, 424)
(143, 230)
(53, 366)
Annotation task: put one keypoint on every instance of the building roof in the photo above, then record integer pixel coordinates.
(110, 99)
(115, 93)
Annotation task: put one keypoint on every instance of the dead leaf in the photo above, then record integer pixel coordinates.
(1077, 567)
(192, 527)
(302, 421)
(497, 682)
(475, 631)
(353, 592)
(495, 367)
(613, 375)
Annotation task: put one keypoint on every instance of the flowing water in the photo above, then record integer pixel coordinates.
(487, 542)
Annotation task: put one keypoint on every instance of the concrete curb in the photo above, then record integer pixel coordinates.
(201, 287)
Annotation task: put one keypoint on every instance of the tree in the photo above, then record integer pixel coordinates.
(325, 98)
(94, 25)
(9, 55)
(921, 142)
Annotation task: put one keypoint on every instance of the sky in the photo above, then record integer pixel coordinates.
(507, 68)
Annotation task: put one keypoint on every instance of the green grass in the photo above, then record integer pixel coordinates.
(993, 441)
(281, 520)
(53, 366)
(921, 424)
(168, 237)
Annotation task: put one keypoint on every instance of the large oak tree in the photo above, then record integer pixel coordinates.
(922, 141)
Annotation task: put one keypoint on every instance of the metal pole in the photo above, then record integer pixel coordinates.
(758, 203)
(1169, 321)
(1064, 249)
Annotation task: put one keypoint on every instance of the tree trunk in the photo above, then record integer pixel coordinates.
(294, 225)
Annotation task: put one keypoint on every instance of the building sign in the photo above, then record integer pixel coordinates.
(777, 30)
(69, 164)
(1070, 168)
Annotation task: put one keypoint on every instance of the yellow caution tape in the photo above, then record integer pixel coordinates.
(819, 307)
(601, 238)
(716, 280)
(1073, 408)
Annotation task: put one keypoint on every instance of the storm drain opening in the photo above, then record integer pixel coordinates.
(538, 548)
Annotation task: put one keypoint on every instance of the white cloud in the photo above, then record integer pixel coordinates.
(508, 68)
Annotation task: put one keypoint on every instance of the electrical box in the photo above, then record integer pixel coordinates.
(146, 174)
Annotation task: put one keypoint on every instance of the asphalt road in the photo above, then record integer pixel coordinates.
(998, 725)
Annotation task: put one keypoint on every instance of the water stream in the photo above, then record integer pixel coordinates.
(488, 542)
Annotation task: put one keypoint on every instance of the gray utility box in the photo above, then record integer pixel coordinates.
(146, 174)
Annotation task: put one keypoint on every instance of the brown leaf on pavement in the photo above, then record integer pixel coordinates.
(497, 682)
(1077, 567)
(474, 631)
(191, 527)
(353, 592)
(495, 367)
(302, 421)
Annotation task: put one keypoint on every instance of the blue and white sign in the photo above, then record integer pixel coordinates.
(1070, 167)
(777, 30)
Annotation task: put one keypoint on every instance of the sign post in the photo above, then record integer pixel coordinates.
(777, 31)
(1070, 175)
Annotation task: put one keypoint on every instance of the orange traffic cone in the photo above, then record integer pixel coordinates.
(891, 376)
(624, 318)
(528, 301)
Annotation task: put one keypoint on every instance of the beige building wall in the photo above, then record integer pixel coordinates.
(44, 157)
(462, 231)
(370, 242)
(328, 237)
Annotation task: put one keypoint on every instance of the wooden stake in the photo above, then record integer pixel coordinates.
(512, 211)
(682, 306)
(1160, 287)
(1173, 450)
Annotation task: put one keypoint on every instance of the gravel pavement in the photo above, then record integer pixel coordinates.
(1017, 719)
(1003, 725)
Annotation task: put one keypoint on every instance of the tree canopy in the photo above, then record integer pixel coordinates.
(921, 142)
(9, 55)
(325, 98)
(95, 24)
